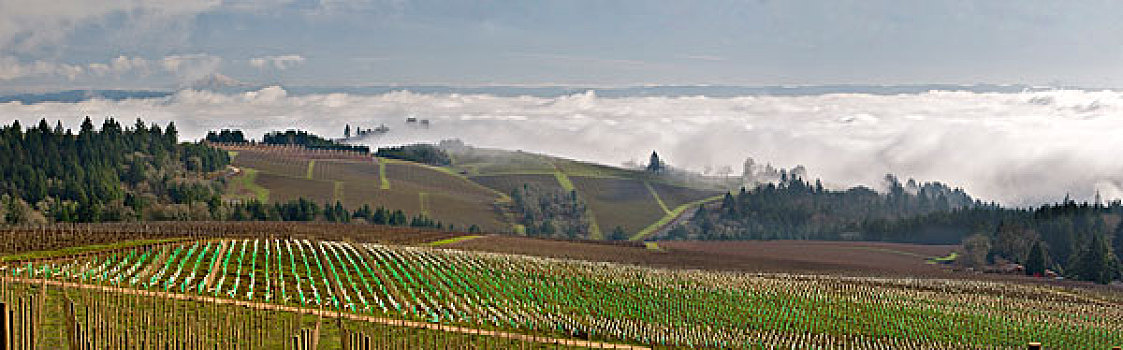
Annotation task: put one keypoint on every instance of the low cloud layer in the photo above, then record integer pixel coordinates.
(1018, 149)
(277, 62)
(184, 67)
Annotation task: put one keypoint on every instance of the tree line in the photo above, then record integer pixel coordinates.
(306, 210)
(309, 140)
(1082, 241)
(288, 137)
(420, 153)
(108, 174)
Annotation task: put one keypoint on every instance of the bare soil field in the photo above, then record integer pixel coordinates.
(284, 188)
(619, 202)
(508, 183)
(850, 258)
(347, 170)
(274, 163)
(675, 196)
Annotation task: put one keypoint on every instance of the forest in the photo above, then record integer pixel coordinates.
(113, 173)
(544, 213)
(1083, 241)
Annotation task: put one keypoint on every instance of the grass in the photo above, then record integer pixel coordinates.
(423, 199)
(657, 199)
(44, 254)
(666, 219)
(564, 181)
(452, 240)
(385, 181)
(944, 259)
(248, 182)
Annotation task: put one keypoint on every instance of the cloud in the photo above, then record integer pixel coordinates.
(1015, 148)
(277, 62)
(186, 67)
(121, 65)
(191, 67)
(12, 68)
(29, 25)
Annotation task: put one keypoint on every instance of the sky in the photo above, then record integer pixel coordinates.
(1017, 148)
(52, 44)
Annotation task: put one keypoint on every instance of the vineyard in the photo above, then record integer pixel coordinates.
(512, 294)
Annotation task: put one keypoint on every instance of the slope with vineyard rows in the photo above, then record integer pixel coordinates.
(606, 301)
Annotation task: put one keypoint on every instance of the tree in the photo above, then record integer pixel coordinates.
(975, 250)
(1096, 262)
(1118, 246)
(1037, 263)
(655, 165)
(618, 234)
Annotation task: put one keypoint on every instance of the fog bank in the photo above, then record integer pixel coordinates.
(1015, 148)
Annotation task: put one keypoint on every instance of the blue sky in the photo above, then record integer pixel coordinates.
(51, 45)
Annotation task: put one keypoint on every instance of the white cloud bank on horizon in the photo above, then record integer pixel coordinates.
(185, 67)
(1018, 149)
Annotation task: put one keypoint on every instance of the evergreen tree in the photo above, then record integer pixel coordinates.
(655, 165)
(1096, 262)
(1036, 263)
(618, 234)
(1118, 242)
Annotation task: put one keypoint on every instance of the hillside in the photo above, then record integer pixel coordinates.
(475, 189)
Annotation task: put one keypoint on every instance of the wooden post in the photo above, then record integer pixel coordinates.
(5, 328)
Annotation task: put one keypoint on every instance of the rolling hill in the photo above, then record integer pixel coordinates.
(470, 191)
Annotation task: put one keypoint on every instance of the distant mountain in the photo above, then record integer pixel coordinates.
(221, 83)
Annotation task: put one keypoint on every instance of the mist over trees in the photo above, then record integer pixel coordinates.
(1080, 241)
(308, 140)
(796, 209)
(420, 153)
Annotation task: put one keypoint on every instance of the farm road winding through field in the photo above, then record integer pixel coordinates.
(329, 314)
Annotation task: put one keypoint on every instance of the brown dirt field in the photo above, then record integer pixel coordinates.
(849, 258)
(454, 210)
(508, 183)
(284, 188)
(618, 202)
(364, 172)
(674, 196)
(272, 163)
(429, 180)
